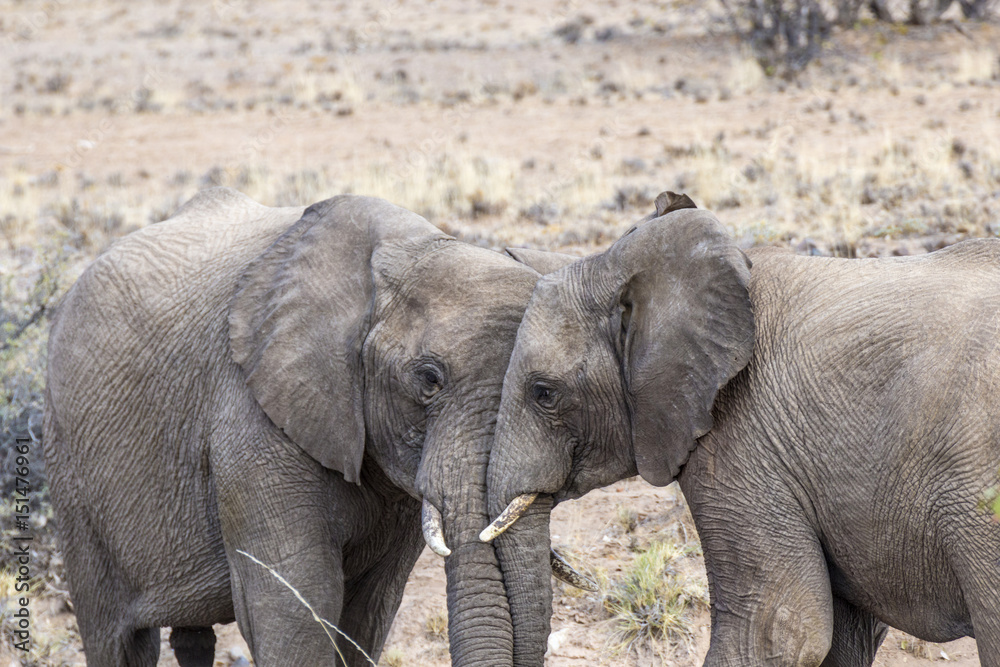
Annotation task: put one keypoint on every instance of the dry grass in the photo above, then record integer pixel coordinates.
(628, 518)
(917, 648)
(906, 187)
(437, 625)
(652, 603)
(978, 65)
(393, 657)
(745, 73)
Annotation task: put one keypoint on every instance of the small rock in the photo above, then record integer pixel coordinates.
(556, 641)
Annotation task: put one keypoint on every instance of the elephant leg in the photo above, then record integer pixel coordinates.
(975, 562)
(142, 647)
(768, 579)
(193, 647)
(856, 636)
(771, 601)
(102, 600)
(278, 627)
(372, 597)
(282, 515)
(121, 647)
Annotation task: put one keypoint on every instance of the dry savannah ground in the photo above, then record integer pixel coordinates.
(548, 123)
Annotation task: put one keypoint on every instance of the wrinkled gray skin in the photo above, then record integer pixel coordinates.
(836, 492)
(290, 384)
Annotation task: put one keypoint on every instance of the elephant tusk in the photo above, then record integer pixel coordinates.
(564, 572)
(508, 516)
(430, 520)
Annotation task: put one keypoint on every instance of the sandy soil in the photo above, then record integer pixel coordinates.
(497, 124)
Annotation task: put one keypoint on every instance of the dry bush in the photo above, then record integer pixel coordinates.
(628, 518)
(917, 647)
(437, 625)
(784, 35)
(393, 657)
(653, 603)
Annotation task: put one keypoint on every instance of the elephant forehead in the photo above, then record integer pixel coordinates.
(462, 306)
(554, 340)
(469, 277)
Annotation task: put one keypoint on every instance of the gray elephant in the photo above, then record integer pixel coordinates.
(834, 425)
(290, 384)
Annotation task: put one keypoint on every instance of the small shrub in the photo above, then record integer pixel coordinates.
(653, 601)
(628, 518)
(437, 625)
(916, 647)
(783, 34)
(392, 658)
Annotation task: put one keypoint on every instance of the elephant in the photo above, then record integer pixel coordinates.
(311, 387)
(834, 425)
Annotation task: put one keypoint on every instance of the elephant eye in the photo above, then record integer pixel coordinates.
(430, 381)
(543, 394)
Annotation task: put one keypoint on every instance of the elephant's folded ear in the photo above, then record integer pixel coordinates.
(671, 201)
(300, 316)
(688, 329)
(666, 202)
(542, 261)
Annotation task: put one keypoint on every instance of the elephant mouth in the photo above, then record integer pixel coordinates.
(561, 570)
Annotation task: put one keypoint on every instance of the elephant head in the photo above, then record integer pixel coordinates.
(378, 345)
(615, 369)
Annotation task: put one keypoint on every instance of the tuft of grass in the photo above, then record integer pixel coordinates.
(653, 602)
(916, 647)
(628, 518)
(437, 625)
(392, 658)
(745, 73)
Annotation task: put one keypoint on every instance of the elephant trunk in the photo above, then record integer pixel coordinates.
(523, 475)
(523, 551)
(479, 627)
(479, 624)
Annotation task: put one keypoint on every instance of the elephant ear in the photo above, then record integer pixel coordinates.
(666, 202)
(542, 261)
(687, 329)
(300, 315)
